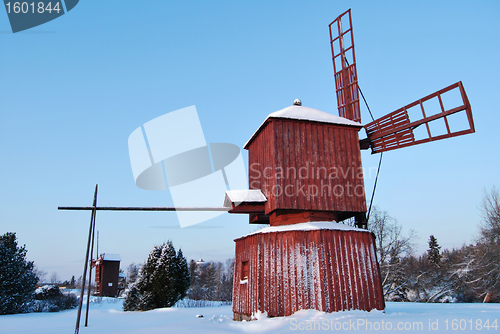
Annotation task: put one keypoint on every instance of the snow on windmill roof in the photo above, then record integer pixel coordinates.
(246, 195)
(307, 227)
(308, 114)
(111, 257)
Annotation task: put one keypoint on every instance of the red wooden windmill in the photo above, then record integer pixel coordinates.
(305, 176)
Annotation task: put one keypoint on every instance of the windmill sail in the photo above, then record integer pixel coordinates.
(396, 130)
(344, 66)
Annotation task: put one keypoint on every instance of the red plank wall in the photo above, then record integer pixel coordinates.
(307, 166)
(327, 270)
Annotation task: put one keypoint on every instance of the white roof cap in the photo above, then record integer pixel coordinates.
(111, 257)
(307, 114)
(246, 195)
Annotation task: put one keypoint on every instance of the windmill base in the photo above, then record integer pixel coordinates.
(282, 271)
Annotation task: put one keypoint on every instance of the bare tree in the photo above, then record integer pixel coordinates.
(78, 284)
(391, 243)
(40, 274)
(132, 273)
(211, 280)
(54, 278)
(490, 208)
(392, 248)
(487, 253)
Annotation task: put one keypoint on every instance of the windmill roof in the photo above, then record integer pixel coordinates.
(246, 195)
(111, 257)
(307, 114)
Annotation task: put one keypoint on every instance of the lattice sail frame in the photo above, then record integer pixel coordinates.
(395, 130)
(346, 77)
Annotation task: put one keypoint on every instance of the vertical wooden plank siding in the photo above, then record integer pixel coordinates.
(107, 272)
(301, 200)
(327, 270)
(288, 160)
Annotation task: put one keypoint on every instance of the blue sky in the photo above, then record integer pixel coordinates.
(74, 89)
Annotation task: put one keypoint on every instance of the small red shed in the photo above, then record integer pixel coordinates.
(305, 175)
(107, 273)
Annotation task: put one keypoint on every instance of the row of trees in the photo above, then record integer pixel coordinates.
(468, 274)
(72, 283)
(211, 280)
(198, 281)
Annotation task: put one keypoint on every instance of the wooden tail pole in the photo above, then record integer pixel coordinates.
(90, 272)
(136, 208)
(92, 216)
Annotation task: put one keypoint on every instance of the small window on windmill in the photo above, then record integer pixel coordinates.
(110, 284)
(244, 270)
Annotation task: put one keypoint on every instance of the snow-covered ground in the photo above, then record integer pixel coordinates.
(107, 317)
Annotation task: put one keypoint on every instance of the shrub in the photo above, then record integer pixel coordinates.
(49, 298)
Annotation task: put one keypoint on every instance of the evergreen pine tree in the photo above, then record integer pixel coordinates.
(208, 281)
(433, 253)
(132, 273)
(164, 278)
(184, 280)
(133, 297)
(162, 281)
(17, 279)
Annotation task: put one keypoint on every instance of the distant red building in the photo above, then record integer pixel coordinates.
(107, 275)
